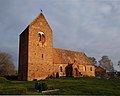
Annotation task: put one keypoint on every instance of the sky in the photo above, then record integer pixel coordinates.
(91, 26)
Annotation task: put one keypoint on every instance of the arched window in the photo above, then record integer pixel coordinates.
(41, 37)
(90, 68)
(85, 68)
(61, 69)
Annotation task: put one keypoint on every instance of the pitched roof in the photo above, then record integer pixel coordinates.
(62, 56)
(40, 18)
(99, 68)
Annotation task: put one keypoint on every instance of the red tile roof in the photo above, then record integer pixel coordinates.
(62, 56)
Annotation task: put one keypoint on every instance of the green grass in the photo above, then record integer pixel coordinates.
(85, 86)
(74, 86)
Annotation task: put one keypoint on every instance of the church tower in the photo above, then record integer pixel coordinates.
(35, 51)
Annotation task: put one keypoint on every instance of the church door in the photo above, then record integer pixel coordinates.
(69, 70)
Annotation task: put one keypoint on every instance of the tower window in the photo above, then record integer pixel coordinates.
(39, 36)
(42, 56)
(60, 68)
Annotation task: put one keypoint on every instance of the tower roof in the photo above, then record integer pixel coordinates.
(41, 15)
(40, 18)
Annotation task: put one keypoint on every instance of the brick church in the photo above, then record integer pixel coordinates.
(39, 60)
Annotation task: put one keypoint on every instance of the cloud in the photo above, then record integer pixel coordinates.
(91, 26)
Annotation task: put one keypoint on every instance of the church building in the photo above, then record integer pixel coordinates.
(39, 60)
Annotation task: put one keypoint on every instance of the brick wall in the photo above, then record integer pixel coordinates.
(40, 61)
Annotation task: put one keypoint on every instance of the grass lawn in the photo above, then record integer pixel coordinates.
(74, 86)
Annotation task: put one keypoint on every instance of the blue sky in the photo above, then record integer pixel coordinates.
(92, 26)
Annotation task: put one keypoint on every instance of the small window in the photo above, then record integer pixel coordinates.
(60, 69)
(85, 68)
(42, 56)
(90, 68)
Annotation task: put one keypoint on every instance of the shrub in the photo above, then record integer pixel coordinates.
(13, 77)
(3, 80)
(34, 79)
(57, 75)
(13, 90)
(44, 86)
(40, 86)
(50, 77)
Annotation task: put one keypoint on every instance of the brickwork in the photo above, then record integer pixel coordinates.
(39, 60)
(80, 61)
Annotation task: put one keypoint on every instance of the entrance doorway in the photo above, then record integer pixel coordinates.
(69, 70)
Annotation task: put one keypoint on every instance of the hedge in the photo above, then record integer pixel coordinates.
(13, 90)
(3, 80)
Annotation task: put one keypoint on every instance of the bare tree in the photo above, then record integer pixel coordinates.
(7, 67)
(106, 63)
(119, 63)
(93, 60)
